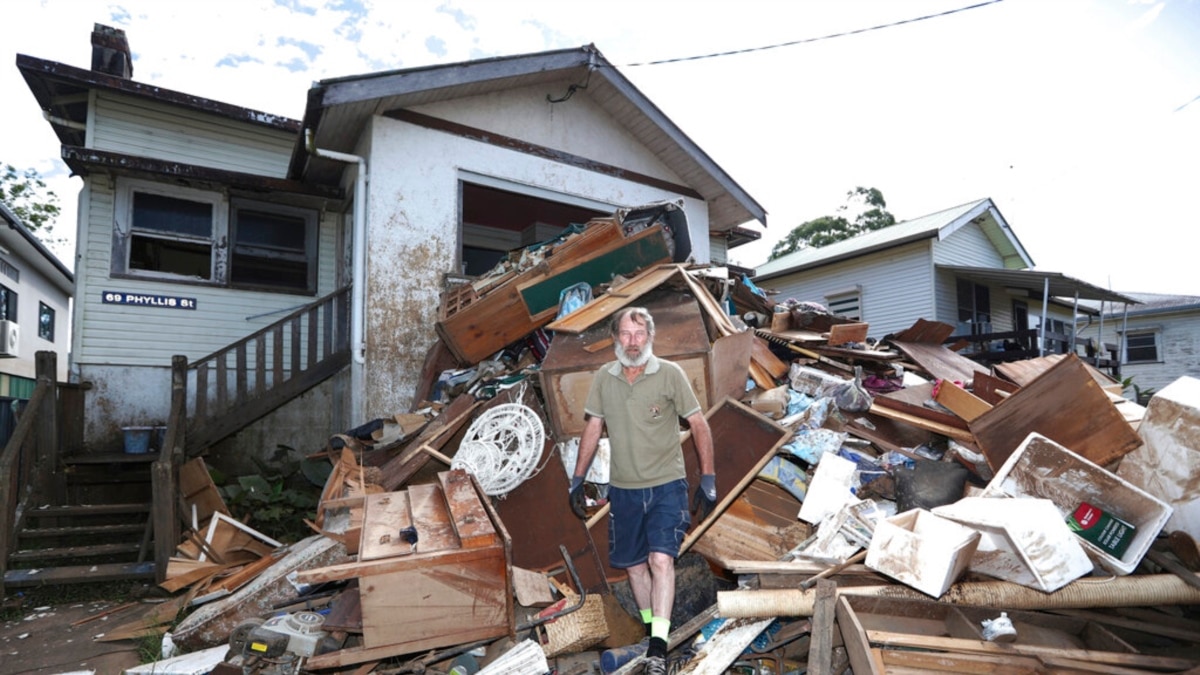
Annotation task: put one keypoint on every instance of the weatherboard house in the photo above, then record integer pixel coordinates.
(962, 266)
(246, 242)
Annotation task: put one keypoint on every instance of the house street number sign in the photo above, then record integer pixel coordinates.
(147, 300)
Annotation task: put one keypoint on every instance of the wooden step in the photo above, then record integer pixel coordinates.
(72, 552)
(82, 531)
(93, 458)
(78, 574)
(77, 510)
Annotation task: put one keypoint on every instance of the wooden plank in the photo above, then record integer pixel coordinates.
(719, 652)
(939, 362)
(863, 660)
(962, 402)
(1067, 406)
(760, 524)
(820, 651)
(601, 308)
(384, 516)
(992, 389)
(743, 442)
(532, 588)
(905, 640)
(729, 362)
(924, 330)
(431, 517)
(841, 333)
(761, 354)
(905, 661)
(196, 489)
(928, 425)
(397, 470)
(911, 401)
(441, 603)
(470, 520)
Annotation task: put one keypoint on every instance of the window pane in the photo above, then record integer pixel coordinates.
(1141, 347)
(8, 304)
(166, 255)
(169, 215)
(45, 322)
(270, 229)
(269, 249)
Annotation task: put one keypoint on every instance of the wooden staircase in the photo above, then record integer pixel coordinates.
(78, 518)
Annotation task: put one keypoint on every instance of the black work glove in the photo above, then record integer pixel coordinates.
(578, 500)
(705, 497)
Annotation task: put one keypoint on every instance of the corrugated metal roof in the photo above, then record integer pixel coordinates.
(338, 109)
(925, 227)
(1157, 303)
(1035, 281)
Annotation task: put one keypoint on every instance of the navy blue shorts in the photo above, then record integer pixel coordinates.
(644, 520)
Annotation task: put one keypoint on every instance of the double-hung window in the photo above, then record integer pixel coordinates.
(272, 246)
(1141, 346)
(189, 235)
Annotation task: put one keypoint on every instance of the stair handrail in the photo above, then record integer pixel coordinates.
(18, 471)
(314, 335)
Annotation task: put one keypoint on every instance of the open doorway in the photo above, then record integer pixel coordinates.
(495, 221)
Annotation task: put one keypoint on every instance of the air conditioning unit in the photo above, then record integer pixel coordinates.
(10, 338)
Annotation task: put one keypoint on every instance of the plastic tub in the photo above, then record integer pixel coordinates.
(137, 439)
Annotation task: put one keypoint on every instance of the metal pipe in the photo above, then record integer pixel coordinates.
(358, 264)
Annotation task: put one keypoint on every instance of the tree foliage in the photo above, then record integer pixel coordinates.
(26, 195)
(823, 231)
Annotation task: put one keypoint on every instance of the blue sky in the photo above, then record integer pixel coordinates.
(1079, 118)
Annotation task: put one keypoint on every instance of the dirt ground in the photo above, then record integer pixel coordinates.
(44, 641)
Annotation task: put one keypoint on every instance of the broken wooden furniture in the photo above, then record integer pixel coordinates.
(434, 570)
(475, 326)
(887, 635)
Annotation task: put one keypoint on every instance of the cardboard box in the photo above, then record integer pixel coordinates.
(1022, 540)
(717, 370)
(1039, 467)
(922, 550)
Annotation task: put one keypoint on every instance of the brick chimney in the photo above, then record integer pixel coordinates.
(110, 52)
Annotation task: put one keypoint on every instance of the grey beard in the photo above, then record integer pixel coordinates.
(629, 362)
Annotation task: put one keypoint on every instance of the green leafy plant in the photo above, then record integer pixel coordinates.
(275, 501)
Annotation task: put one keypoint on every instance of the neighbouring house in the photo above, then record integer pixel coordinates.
(963, 266)
(35, 311)
(247, 242)
(1159, 339)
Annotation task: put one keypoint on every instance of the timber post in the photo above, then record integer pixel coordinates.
(46, 436)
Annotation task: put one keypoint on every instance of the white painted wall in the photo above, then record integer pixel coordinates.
(413, 230)
(146, 128)
(897, 286)
(1179, 347)
(577, 126)
(35, 287)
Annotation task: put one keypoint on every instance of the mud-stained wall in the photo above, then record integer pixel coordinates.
(412, 238)
(122, 396)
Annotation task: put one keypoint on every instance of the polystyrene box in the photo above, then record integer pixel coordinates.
(922, 550)
(1042, 468)
(1022, 540)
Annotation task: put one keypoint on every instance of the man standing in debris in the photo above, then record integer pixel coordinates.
(640, 399)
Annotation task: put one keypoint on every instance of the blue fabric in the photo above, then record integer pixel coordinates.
(642, 520)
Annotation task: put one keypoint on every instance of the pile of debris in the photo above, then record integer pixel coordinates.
(884, 506)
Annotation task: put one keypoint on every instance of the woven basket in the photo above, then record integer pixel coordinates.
(576, 631)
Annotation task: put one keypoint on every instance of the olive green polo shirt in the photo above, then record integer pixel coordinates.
(643, 421)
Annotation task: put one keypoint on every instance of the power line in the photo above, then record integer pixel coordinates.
(815, 39)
